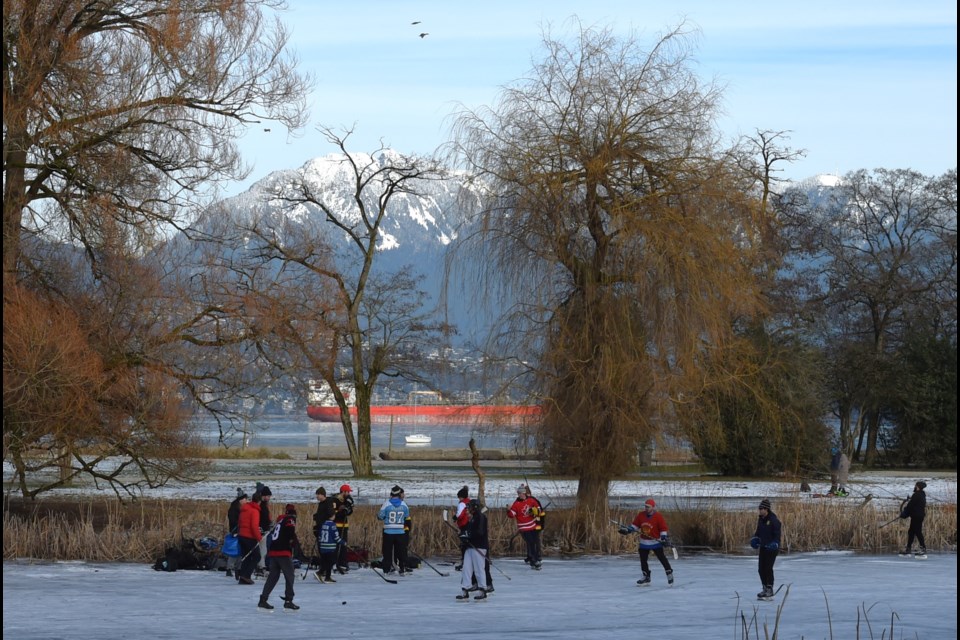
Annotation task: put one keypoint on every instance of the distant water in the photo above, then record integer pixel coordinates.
(291, 431)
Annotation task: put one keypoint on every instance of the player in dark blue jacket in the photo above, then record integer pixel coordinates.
(767, 540)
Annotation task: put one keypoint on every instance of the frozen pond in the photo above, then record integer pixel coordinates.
(586, 598)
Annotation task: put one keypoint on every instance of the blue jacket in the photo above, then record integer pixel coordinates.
(768, 529)
(329, 537)
(393, 513)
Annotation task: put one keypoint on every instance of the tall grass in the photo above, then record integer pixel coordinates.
(106, 530)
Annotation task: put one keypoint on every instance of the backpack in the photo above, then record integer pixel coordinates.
(169, 561)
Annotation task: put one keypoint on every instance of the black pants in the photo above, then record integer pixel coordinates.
(342, 549)
(532, 538)
(661, 556)
(915, 531)
(767, 558)
(394, 547)
(278, 565)
(327, 561)
(250, 552)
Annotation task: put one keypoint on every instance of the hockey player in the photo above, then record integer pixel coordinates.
(394, 514)
(653, 537)
(474, 538)
(767, 540)
(328, 544)
(463, 517)
(283, 541)
(916, 510)
(343, 505)
(526, 510)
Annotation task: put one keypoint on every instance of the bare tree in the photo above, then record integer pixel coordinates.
(117, 113)
(87, 394)
(119, 121)
(371, 324)
(617, 230)
(883, 244)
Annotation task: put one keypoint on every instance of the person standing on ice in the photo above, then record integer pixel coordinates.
(328, 542)
(526, 510)
(233, 526)
(463, 514)
(463, 518)
(283, 540)
(916, 510)
(266, 524)
(394, 514)
(474, 537)
(343, 508)
(653, 537)
(767, 540)
(249, 534)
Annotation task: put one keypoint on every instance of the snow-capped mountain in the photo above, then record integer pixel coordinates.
(420, 225)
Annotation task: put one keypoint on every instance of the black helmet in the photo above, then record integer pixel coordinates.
(921, 485)
(474, 504)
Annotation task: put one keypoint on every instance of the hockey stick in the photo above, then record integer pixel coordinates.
(485, 555)
(310, 560)
(889, 522)
(421, 559)
(672, 548)
(372, 568)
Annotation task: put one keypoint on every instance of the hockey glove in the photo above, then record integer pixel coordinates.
(755, 542)
(772, 546)
(664, 539)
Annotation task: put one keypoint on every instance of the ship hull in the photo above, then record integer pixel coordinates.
(442, 414)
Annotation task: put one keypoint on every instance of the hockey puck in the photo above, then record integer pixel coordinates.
(344, 602)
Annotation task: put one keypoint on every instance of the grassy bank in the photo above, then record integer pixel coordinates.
(105, 530)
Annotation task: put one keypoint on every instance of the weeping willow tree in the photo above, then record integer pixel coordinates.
(619, 235)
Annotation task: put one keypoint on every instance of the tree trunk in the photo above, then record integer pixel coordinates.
(481, 476)
(592, 493)
(873, 430)
(13, 203)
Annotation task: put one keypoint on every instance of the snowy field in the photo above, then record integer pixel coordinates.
(577, 599)
(436, 484)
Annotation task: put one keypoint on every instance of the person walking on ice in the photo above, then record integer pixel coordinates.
(767, 540)
(283, 540)
(527, 510)
(474, 537)
(653, 537)
(916, 510)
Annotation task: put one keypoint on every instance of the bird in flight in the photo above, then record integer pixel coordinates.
(424, 35)
(415, 22)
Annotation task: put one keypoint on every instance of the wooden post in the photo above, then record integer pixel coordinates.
(390, 443)
(481, 476)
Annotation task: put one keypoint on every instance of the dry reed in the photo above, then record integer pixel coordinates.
(140, 532)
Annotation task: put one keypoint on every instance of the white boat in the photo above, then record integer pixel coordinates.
(417, 438)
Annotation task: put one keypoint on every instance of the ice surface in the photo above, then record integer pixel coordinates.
(570, 599)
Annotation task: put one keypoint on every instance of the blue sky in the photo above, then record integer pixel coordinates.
(858, 84)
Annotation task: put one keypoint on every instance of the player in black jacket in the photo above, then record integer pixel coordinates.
(916, 510)
(283, 542)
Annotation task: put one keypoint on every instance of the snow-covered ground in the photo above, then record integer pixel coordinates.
(831, 595)
(436, 484)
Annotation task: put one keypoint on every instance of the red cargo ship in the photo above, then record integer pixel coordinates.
(424, 407)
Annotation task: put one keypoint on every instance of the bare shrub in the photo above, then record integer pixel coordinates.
(109, 531)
